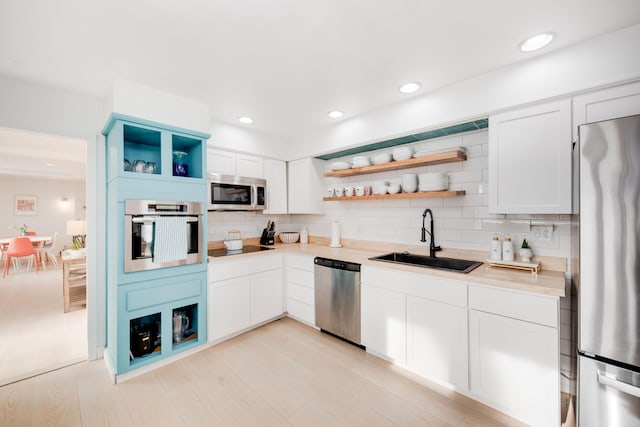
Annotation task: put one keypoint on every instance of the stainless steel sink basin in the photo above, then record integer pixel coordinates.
(450, 264)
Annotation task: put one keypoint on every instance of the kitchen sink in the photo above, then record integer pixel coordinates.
(450, 264)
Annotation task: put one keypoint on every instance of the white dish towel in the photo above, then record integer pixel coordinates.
(170, 239)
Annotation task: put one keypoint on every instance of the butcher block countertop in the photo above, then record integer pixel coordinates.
(549, 281)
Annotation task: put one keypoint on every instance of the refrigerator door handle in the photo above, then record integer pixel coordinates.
(618, 385)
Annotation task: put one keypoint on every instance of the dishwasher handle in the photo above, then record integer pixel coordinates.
(337, 264)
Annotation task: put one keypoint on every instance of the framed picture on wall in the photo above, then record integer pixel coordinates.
(25, 205)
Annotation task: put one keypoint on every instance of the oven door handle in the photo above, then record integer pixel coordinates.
(152, 219)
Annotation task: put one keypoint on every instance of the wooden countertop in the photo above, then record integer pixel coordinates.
(546, 282)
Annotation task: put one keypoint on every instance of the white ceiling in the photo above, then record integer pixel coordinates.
(285, 63)
(35, 154)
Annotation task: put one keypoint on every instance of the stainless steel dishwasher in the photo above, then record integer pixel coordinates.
(337, 292)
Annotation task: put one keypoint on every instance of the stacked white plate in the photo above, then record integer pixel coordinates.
(381, 158)
(433, 181)
(338, 166)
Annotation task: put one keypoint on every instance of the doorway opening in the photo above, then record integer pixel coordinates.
(39, 332)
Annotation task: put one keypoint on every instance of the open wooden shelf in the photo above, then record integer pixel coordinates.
(418, 195)
(430, 159)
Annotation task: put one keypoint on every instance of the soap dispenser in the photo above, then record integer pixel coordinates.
(496, 248)
(507, 249)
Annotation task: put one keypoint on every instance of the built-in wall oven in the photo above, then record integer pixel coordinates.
(159, 234)
(229, 192)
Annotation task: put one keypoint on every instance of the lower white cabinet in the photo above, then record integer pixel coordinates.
(237, 303)
(300, 288)
(383, 320)
(514, 363)
(437, 341)
(228, 307)
(266, 296)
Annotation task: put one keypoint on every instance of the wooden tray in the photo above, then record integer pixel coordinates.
(533, 267)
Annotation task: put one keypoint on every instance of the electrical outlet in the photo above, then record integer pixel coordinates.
(542, 232)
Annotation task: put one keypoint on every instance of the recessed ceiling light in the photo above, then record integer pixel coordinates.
(336, 114)
(50, 165)
(245, 120)
(410, 87)
(536, 42)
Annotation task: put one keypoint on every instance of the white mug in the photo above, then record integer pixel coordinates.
(348, 191)
(331, 192)
(360, 190)
(339, 191)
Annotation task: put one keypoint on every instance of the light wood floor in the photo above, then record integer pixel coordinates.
(282, 374)
(35, 333)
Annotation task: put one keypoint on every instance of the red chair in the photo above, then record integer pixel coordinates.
(19, 247)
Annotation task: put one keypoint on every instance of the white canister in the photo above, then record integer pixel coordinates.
(304, 235)
(496, 248)
(335, 235)
(507, 249)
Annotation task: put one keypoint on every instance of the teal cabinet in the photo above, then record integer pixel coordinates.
(152, 314)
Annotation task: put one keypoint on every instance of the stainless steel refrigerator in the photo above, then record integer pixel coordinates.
(608, 278)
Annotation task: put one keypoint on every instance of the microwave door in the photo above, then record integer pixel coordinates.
(231, 194)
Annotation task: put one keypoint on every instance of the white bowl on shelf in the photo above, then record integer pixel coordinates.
(402, 153)
(339, 166)
(381, 158)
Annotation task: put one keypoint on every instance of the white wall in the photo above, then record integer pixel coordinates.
(236, 138)
(598, 62)
(52, 213)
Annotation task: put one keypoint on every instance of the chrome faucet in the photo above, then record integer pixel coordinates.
(432, 246)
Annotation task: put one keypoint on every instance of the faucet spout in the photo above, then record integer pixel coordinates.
(432, 246)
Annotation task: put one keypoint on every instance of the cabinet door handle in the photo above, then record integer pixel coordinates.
(618, 385)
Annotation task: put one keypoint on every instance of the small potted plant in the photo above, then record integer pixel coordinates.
(75, 249)
(525, 252)
(23, 229)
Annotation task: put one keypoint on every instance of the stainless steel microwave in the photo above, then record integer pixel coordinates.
(236, 193)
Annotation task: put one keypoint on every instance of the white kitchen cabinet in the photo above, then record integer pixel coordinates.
(221, 161)
(266, 296)
(249, 166)
(300, 288)
(513, 354)
(306, 186)
(530, 160)
(228, 307)
(437, 341)
(605, 104)
(383, 330)
(231, 163)
(275, 172)
(243, 292)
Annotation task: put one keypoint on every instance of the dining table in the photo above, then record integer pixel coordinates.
(38, 243)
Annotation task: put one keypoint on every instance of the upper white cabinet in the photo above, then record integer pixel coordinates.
(220, 161)
(275, 172)
(250, 166)
(605, 104)
(530, 160)
(230, 163)
(306, 186)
